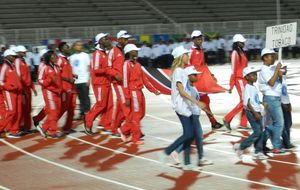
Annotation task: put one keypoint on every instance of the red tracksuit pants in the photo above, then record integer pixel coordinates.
(26, 109)
(53, 111)
(13, 114)
(137, 112)
(240, 85)
(121, 111)
(205, 99)
(103, 106)
(68, 104)
(2, 112)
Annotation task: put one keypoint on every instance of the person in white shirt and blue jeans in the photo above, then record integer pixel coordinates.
(270, 84)
(252, 103)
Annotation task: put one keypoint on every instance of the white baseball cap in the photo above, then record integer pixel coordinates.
(178, 51)
(42, 52)
(99, 36)
(123, 34)
(266, 51)
(196, 33)
(238, 38)
(130, 47)
(250, 69)
(9, 52)
(20, 48)
(191, 70)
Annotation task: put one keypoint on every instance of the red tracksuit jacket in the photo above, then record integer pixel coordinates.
(99, 68)
(115, 63)
(134, 78)
(65, 72)
(23, 72)
(9, 79)
(197, 59)
(46, 75)
(238, 65)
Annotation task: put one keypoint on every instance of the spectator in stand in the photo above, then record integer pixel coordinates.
(144, 54)
(251, 48)
(36, 59)
(211, 52)
(296, 48)
(221, 49)
(257, 43)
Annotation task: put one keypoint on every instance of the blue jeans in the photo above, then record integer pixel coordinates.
(256, 137)
(186, 138)
(275, 111)
(198, 136)
(286, 139)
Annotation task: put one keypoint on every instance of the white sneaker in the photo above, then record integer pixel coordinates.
(175, 157)
(259, 156)
(41, 130)
(123, 137)
(204, 161)
(191, 167)
(163, 157)
(237, 149)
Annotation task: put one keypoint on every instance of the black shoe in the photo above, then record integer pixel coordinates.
(86, 129)
(36, 123)
(217, 126)
(14, 136)
(267, 150)
(227, 125)
(291, 147)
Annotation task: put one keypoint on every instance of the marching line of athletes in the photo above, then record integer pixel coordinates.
(117, 67)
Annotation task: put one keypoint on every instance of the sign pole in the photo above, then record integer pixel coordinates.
(278, 13)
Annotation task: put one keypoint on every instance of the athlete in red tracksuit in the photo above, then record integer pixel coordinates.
(115, 71)
(68, 96)
(197, 59)
(2, 108)
(42, 114)
(239, 62)
(134, 80)
(101, 85)
(23, 72)
(50, 80)
(11, 89)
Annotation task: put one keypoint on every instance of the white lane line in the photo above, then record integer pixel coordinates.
(69, 168)
(155, 161)
(3, 188)
(216, 150)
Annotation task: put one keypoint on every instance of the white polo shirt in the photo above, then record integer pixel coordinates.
(265, 75)
(251, 93)
(80, 63)
(179, 104)
(285, 99)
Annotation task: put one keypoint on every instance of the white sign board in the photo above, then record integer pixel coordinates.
(281, 35)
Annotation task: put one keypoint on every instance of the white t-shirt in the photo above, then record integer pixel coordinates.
(265, 75)
(179, 104)
(80, 63)
(285, 99)
(191, 90)
(251, 93)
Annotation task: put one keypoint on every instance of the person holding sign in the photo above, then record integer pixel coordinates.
(270, 84)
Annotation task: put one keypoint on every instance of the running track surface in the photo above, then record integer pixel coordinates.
(97, 162)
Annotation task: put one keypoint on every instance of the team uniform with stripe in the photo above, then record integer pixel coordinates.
(23, 72)
(102, 89)
(68, 95)
(52, 96)
(115, 67)
(11, 90)
(239, 62)
(134, 80)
